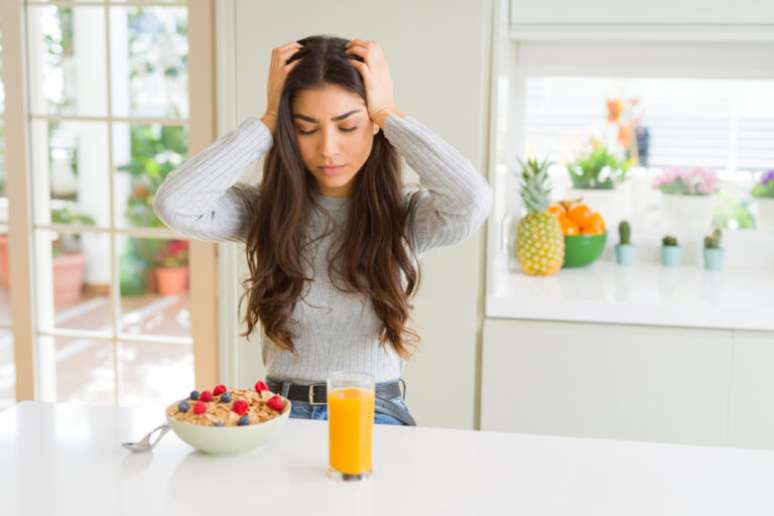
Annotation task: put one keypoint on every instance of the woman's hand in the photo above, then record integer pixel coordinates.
(376, 78)
(278, 72)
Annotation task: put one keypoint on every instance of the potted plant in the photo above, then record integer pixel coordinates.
(598, 169)
(69, 261)
(713, 253)
(763, 192)
(624, 249)
(172, 274)
(595, 175)
(687, 199)
(155, 152)
(670, 251)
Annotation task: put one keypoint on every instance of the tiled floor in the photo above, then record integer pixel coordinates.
(85, 368)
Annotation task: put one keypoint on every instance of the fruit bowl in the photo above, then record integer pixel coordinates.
(581, 250)
(229, 440)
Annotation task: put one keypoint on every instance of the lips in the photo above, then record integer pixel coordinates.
(331, 170)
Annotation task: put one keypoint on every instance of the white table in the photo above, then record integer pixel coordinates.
(66, 459)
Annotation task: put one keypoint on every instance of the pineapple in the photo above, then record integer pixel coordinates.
(539, 239)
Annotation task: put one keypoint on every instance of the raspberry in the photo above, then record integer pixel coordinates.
(260, 386)
(205, 396)
(200, 407)
(276, 403)
(218, 390)
(240, 407)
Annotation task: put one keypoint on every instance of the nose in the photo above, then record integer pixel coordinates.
(330, 145)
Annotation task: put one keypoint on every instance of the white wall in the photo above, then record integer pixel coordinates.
(438, 52)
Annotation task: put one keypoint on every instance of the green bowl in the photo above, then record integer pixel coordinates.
(581, 250)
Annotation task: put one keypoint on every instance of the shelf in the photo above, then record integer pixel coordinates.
(644, 293)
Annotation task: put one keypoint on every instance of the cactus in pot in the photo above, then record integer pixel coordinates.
(713, 253)
(624, 249)
(670, 251)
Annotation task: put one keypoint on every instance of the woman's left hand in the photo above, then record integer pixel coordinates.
(376, 78)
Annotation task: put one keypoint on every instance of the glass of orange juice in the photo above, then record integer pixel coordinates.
(351, 399)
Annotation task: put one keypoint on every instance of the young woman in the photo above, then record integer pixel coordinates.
(332, 235)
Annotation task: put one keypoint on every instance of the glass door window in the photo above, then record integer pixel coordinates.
(109, 118)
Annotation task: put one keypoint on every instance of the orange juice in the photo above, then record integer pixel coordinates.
(350, 429)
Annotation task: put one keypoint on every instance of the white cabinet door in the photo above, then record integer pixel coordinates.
(608, 381)
(752, 391)
(634, 12)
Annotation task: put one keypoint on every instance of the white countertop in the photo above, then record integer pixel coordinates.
(66, 459)
(642, 293)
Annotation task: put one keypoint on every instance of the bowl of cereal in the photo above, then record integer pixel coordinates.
(228, 421)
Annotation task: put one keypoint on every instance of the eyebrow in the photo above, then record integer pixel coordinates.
(334, 119)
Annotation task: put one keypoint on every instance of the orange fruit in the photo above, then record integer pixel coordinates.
(567, 203)
(579, 213)
(569, 227)
(596, 225)
(556, 209)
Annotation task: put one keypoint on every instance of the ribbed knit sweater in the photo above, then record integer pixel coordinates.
(335, 330)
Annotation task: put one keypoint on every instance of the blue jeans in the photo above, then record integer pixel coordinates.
(302, 410)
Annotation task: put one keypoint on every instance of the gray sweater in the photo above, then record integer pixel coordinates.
(335, 330)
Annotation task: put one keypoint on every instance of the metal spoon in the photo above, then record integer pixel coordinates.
(145, 444)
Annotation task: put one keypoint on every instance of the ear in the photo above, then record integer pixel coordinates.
(376, 128)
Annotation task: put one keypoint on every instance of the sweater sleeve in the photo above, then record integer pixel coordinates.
(198, 199)
(454, 198)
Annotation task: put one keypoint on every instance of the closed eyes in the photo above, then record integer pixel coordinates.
(345, 129)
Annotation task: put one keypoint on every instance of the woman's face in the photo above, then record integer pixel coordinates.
(332, 127)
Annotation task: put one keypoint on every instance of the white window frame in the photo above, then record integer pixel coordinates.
(27, 321)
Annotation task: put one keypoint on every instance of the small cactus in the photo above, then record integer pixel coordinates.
(713, 241)
(669, 241)
(625, 232)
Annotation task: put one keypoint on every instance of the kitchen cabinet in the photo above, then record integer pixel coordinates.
(629, 20)
(751, 418)
(637, 12)
(651, 383)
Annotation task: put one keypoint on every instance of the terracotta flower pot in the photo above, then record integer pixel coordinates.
(172, 280)
(68, 274)
(4, 260)
(68, 277)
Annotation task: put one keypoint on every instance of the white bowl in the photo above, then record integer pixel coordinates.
(229, 440)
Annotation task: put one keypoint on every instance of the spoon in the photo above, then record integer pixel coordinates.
(145, 444)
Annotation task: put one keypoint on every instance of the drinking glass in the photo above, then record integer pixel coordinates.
(351, 400)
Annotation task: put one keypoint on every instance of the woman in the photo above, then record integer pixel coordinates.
(332, 235)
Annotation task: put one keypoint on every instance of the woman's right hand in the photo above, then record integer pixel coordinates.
(278, 72)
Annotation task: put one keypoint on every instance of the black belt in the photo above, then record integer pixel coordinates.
(317, 393)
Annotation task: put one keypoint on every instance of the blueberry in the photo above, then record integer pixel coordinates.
(244, 420)
(225, 397)
(218, 423)
(183, 406)
(194, 395)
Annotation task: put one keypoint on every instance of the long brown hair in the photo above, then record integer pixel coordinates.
(374, 256)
